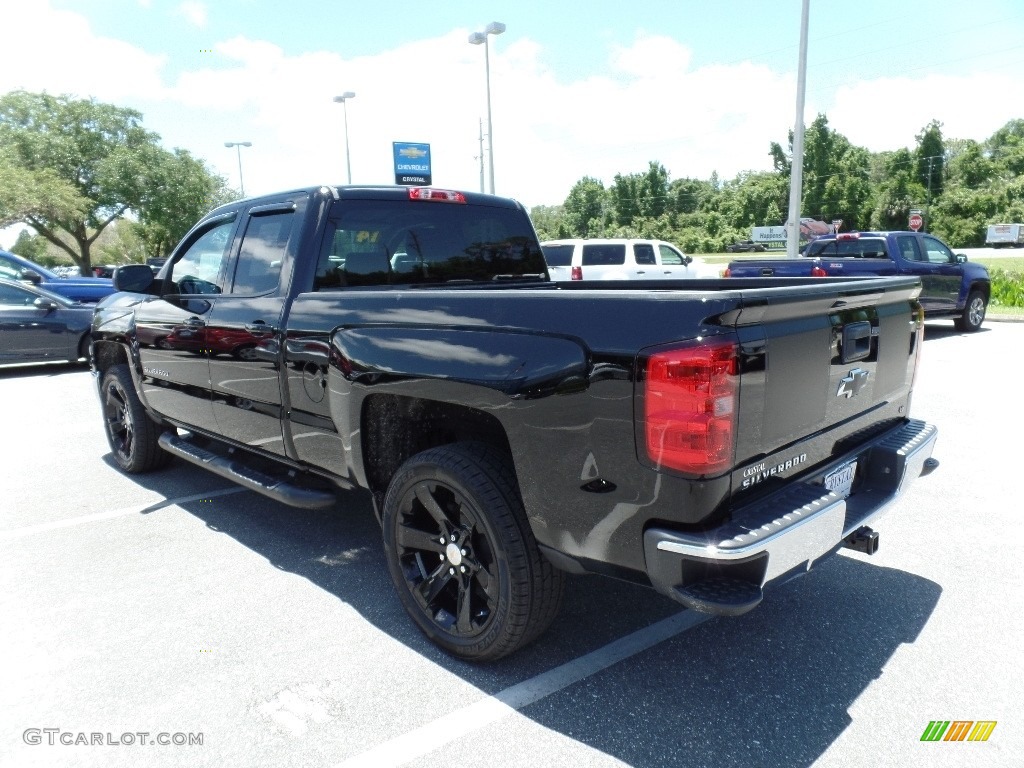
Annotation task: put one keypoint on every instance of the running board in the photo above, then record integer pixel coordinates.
(277, 488)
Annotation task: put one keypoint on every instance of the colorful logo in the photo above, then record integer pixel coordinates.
(958, 730)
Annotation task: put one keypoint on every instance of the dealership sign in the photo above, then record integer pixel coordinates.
(412, 163)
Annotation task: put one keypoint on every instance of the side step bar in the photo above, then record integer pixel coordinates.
(276, 488)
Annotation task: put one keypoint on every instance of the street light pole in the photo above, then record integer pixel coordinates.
(343, 100)
(796, 171)
(238, 148)
(494, 28)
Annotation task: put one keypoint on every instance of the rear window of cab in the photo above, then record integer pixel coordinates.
(861, 248)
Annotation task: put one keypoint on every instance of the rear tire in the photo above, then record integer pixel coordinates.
(462, 556)
(973, 314)
(131, 433)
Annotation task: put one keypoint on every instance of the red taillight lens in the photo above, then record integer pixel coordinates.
(726, 272)
(817, 271)
(443, 195)
(577, 273)
(690, 401)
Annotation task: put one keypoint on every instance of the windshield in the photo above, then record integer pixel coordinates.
(11, 262)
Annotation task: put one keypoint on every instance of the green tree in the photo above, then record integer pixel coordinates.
(931, 159)
(180, 192)
(77, 165)
(29, 246)
(585, 209)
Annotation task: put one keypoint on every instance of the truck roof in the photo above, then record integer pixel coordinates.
(370, 192)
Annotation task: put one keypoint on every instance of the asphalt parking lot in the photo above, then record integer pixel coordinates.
(179, 607)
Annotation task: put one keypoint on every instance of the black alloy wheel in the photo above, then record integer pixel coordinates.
(462, 555)
(132, 435)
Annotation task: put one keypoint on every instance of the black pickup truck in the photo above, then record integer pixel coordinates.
(703, 437)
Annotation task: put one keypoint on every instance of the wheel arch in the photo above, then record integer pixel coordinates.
(395, 427)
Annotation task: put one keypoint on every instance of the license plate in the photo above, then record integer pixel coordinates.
(839, 481)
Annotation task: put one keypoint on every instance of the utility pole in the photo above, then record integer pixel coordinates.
(927, 219)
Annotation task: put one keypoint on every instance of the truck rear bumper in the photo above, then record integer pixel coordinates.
(723, 571)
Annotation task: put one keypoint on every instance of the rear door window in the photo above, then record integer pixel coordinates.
(604, 254)
(262, 253)
(909, 248)
(644, 253)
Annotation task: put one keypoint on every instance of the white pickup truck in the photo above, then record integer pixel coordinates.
(621, 259)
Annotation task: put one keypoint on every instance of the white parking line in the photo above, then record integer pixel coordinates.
(19, 533)
(455, 725)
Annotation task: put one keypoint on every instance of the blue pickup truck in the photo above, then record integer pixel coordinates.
(951, 286)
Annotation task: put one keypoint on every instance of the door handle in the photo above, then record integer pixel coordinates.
(194, 322)
(258, 327)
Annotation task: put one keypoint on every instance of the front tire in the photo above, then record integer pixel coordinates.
(462, 556)
(132, 435)
(973, 314)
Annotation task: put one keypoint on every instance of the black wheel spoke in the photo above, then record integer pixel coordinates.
(464, 621)
(409, 537)
(426, 498)
(432, 586)
(487, 584)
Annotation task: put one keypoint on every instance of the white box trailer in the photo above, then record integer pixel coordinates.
(1005, 235)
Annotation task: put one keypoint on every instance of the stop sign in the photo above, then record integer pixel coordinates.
(916, 222)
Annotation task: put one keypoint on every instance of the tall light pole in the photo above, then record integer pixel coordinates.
(343, 99)
(238, 148)
(796, 171)
(494, 28)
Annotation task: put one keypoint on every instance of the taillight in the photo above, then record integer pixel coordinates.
(443, 195)
(726, 272)
(817, 271)
(577, 273)
(690, 401)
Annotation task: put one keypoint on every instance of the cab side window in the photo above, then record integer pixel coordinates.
(198, 269)
(937, 252)
(671, 256)
(261, 255)
(15, 297)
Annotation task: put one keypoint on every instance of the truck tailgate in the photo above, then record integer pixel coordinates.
(820, 368)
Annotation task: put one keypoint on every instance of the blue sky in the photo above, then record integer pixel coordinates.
(578, 89)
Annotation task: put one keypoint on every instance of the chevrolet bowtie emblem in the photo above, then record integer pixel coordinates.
(853, 383)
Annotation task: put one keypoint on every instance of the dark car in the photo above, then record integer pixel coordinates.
(84, 289)
(744, 246)
(39, 326)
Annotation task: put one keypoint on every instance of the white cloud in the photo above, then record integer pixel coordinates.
(649, 103)
(194, 12)
(59, 53)
(888, 113)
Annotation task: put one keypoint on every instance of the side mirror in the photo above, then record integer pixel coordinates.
(45, 304)
(133, 278)
(961, 258)
(32, 276)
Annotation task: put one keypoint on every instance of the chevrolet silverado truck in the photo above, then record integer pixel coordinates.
(704, 438)
(952, 287)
